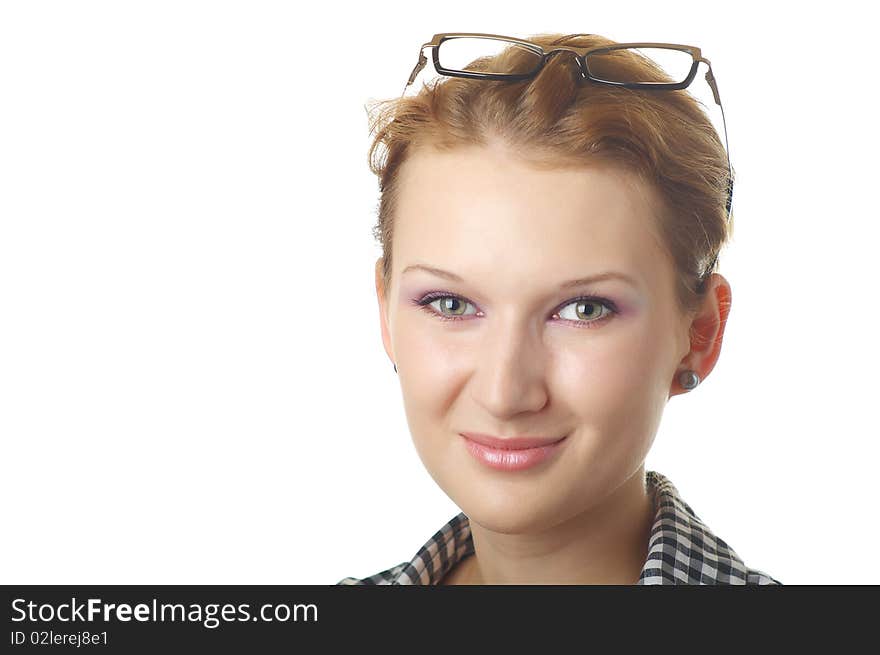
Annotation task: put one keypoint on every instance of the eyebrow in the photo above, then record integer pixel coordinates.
(607, 275)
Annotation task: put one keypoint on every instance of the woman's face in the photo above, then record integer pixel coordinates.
(518, 354)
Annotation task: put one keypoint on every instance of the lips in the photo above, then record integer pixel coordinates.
(510, 443)
(513, 453)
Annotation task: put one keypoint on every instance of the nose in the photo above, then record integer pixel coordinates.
(510, 375)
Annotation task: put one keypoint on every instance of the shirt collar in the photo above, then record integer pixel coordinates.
(681, 549)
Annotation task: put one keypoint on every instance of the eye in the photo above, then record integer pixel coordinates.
(588, 310)
(450, 307)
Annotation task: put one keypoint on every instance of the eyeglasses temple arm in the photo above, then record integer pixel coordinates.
(417, 69)
(727, 150)
(710, 78)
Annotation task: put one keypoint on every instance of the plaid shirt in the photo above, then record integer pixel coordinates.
(681, 550)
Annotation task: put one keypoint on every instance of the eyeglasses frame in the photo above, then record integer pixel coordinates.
(581, 58)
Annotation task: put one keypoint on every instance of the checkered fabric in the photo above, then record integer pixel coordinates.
(681, 550)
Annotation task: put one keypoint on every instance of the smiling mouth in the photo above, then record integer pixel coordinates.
(513, 459)
(510, 443)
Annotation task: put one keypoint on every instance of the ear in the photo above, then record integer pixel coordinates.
(383, 311)
(706, 332)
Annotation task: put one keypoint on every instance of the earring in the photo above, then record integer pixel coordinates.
(395, 368)
(689, 379)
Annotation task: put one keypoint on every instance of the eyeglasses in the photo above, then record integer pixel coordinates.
(670, 66)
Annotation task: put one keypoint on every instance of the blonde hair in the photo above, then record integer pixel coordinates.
(557, 120)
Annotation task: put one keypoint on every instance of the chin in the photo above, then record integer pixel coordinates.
(507, 513)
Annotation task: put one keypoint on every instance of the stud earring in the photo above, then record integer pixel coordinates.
(689, 379)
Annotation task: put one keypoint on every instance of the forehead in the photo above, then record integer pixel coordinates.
(485, 203)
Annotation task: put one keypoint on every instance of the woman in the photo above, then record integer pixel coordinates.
(547, 283)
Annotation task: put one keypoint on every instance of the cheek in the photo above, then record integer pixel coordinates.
(619, 376)
(614, 392)
(431, 366)
(432, 359)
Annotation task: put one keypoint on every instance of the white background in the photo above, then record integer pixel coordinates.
(193, 387)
